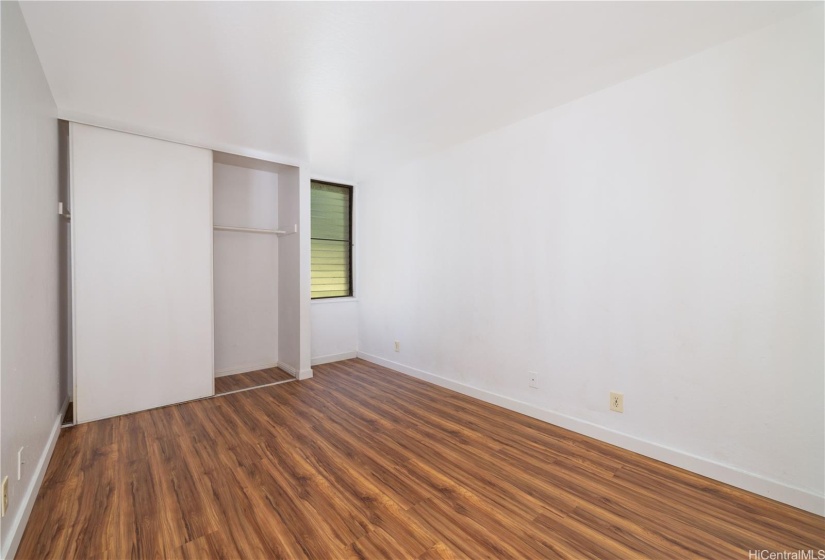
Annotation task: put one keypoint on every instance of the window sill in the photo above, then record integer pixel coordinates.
(335, 300)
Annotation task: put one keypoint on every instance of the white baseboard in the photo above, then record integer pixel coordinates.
(329, 358)
(299, 375)
(724, 473)
(246, 368)
(289, 369)
(18, 525)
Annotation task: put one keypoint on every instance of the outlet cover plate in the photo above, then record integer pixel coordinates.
(616, 402)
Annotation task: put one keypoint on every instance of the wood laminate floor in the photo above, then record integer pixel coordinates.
(364, 462)
(250, 379)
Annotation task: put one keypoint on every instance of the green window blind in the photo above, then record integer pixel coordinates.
(331, 240)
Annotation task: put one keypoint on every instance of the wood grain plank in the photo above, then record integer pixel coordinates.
(249, 379)
(364, 462)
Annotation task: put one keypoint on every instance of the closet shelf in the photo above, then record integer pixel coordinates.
(256, 230)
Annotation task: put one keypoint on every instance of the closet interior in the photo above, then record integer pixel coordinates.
(255, 209)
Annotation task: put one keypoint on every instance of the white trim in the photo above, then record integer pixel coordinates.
(348, 299)
(30, 495)
(72, 280)
(212, 267)
(216, 395)
(250, 367)
(334, 358)
(158, 134)
(300, 375)
(288, 368)
(751, 482)
(278, 232)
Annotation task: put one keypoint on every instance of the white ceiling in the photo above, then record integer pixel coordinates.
(354, 87)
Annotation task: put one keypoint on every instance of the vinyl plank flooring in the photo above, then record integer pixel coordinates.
(228, 383)
(364, 462)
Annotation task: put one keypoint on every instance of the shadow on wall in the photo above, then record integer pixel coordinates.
(64, 232)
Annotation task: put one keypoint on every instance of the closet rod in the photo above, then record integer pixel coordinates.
(249, 230)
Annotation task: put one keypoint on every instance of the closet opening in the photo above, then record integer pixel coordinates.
(255, 272)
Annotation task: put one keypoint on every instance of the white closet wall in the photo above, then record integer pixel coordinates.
(257, 273)
(289, 286)
(246, 265)
(142, 264)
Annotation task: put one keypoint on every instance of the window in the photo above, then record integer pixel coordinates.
(331, 240)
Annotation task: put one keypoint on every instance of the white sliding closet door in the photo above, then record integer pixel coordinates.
(142, 258)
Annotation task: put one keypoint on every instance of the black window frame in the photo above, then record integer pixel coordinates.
(351, 189)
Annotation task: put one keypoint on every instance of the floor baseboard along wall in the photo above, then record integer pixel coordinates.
(246, 368)
(18, 525)
(329, 358)
(729, 475)
(289, 369)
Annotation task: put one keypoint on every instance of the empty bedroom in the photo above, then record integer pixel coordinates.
(412, 280)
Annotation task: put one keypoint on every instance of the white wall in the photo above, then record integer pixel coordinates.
(335, 320)
(304, 277)
(31, 399)
(334, 330)
(246, 269)
(662, 238)
(289, 274)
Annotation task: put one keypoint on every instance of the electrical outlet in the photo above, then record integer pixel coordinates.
(397, 346)
(20, 463)
(534, 379)
(5, 503)
(616, 402)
